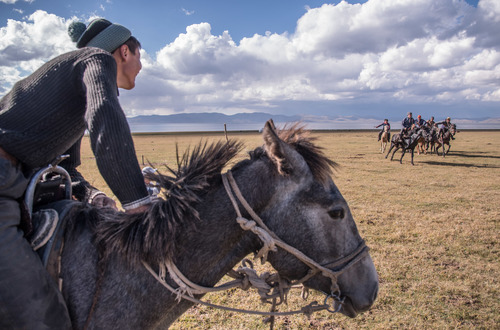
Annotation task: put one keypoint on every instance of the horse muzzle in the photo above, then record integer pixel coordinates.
(358, 287)
(352, 307)
(354, 288)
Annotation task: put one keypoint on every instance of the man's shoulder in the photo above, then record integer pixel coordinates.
(82, 54)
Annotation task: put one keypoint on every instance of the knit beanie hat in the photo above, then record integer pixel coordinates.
(100, 33)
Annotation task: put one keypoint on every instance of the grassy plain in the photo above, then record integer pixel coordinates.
(433, 230)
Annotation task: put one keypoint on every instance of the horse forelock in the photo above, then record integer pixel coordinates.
(301, 140)
(151, 236)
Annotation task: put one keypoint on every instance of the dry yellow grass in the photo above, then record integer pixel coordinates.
(433, 229)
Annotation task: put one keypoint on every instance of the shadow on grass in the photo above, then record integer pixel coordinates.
(458, 164)
(476, 154)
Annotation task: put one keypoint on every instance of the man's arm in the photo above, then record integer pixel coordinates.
(110, 136)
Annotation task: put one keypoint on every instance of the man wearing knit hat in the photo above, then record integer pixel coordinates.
(406, 124)
(73, 92)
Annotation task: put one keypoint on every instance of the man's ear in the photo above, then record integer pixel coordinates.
(122, 52)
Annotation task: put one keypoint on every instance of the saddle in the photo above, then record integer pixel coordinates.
(47, 201)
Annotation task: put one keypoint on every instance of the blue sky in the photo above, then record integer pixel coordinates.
(160, 22)
(370, 59)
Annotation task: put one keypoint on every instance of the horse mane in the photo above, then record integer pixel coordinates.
(152, 236)
(144, 236)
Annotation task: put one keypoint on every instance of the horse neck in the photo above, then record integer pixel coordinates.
(208, 252)
(218, 243)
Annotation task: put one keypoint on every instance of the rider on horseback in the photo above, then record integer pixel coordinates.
(430, 123)
(420, 123)
(43, 116)
(385, 127)
(406, 124)
(446, 125)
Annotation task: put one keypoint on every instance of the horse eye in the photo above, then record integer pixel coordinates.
(337, 213)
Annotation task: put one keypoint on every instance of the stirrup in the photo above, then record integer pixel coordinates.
(44, 224)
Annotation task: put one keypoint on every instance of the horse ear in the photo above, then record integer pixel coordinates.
(271, 123)
(276, 149)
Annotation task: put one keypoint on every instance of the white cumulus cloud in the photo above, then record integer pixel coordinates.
(25, 45)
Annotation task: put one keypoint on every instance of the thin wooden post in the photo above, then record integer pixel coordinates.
(225, 132)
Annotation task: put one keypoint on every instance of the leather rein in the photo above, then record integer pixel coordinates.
(246, 276)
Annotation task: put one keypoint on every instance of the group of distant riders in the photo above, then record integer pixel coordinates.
(409, 125)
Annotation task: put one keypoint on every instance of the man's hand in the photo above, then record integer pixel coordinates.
(104, 201)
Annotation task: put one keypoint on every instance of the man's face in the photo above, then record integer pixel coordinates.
(409, 115)
(129, 65)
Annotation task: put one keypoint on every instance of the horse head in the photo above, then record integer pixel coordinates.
(307, 211)
(287, 182)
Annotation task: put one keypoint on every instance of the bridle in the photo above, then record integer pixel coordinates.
(247, 277)
(326, 270)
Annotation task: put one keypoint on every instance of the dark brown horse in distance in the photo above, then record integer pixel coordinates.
(405, 143)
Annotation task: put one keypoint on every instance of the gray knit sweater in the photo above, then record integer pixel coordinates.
(46, 114)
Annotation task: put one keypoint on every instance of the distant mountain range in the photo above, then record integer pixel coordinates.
(212, 117)
(254, 121)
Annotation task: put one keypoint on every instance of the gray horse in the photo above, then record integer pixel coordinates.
(287, 182)
(445, 139)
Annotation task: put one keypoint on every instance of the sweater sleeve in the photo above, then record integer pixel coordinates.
(109, 133)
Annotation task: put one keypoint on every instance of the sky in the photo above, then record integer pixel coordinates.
(354, 60)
